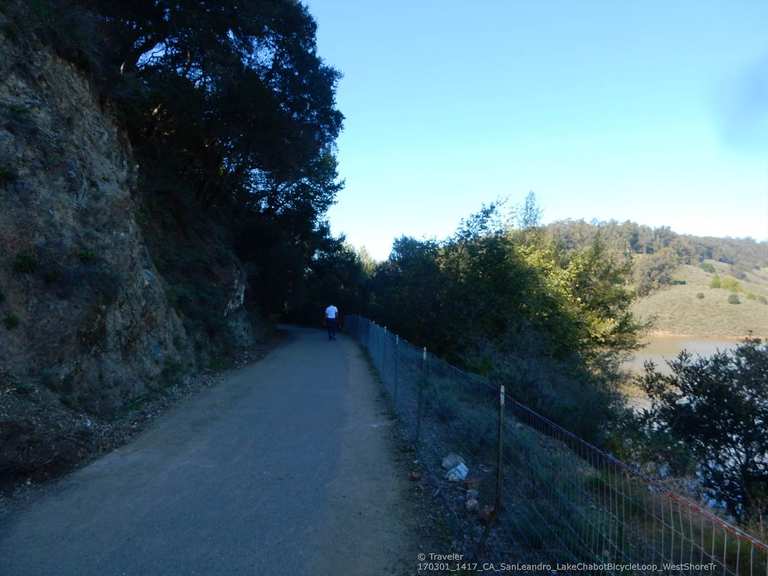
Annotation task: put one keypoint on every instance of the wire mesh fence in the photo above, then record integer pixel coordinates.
(531, 491)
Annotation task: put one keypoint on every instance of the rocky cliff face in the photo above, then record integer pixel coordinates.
(86, 320)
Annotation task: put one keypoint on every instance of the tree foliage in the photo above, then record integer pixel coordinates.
(657, 252)
(509, 302)
(229, 109)
(710, 413)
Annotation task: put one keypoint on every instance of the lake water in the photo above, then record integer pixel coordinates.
(662, 348)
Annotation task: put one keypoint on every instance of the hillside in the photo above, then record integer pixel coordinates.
(155, 207)
(690, 306)
(673, 276)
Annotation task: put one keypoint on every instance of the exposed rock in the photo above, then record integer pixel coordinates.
(87, 325)
(457, 473)
(451, 461)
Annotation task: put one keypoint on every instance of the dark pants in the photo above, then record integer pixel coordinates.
(330, 323)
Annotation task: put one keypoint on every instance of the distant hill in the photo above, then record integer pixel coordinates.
(688, 285)
(691, 306)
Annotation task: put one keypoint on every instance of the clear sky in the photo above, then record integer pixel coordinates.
(654, 111)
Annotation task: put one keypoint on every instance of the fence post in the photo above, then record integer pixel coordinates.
(500, 455)
(384, 342)
(397, 369)
(420, 398)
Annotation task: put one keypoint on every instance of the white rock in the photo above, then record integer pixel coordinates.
(452, 460)
(457, 473)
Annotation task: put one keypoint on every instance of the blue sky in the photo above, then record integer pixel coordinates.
(651, 111)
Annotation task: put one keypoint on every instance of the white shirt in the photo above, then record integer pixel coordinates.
(331, 312)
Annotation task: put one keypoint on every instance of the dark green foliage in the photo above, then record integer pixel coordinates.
(655, 271)
(232, 115)
(51, 276)
(700, 295)
(707, 414)
(7, 176)
(662, 250)
(172, 372)
(10, 321)
(733, 299)
(86, 256)
(509, 303)
(25, 263)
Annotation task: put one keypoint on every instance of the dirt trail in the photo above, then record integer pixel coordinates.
(289, 467)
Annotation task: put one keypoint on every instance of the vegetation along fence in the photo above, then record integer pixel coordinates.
(543, 494)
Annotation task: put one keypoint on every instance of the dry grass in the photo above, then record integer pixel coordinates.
(678, 310)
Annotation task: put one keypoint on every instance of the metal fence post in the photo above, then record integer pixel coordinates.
(420, 398)
(384, 342)
(500, 455)
(397, 370)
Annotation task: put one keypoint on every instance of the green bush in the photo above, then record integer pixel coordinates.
(762, 299)
(700, 295)
(7, 176)
(708, 268)
(729, 283)
(751, 296)
(10, 321)
(86, 256)
(706, 410)
(734, 299)
(25, 263)
(715, 282)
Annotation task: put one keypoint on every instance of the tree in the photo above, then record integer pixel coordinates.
(530, 215)
(716, 409)
(513, 304)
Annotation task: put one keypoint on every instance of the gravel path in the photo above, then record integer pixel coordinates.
(288, 467)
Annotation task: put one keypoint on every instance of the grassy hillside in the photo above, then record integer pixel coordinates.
(693, 307)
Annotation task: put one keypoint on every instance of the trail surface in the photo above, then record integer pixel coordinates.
(288, 467)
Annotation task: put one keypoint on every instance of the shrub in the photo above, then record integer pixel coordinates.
(51, 276)
(10, 321)
(715, 282)
(25, 263)
(762, 299)
(7, 176)
(708, 268)
(700, 295)
(751, 296)
(86, 256)
(708, 407)
(734, 299)
(731, 284)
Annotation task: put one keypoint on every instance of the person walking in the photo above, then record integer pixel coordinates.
(331, 321)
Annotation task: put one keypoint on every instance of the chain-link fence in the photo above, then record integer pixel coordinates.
(519, 488)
